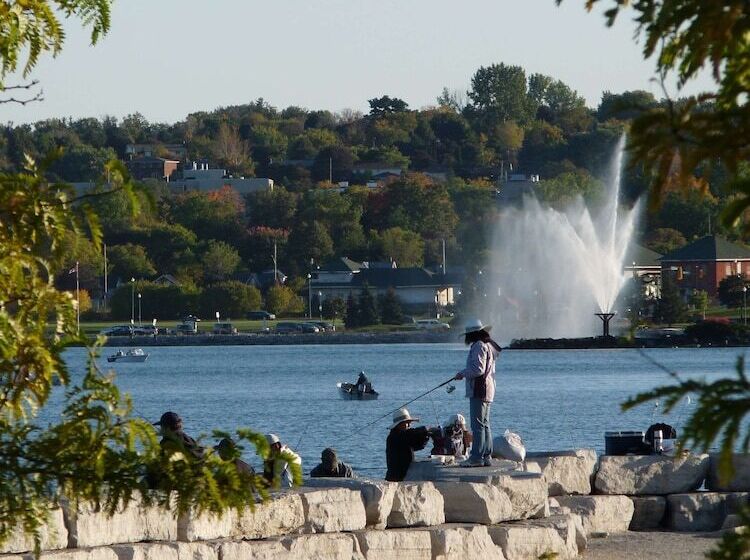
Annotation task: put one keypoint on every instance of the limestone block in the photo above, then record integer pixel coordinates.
(601, 514)
(740, 482)
(465, 502)
(332, 510)
(89, 526)
(736, 501)
(460, 543)
(395, 544)
(432, 470)
(732, 521)
(527, 493)
(651, 474)
(648, 512)
(416, 504)
(331, 546)
(53, 535)
(98, 553)
(377, 495)
(252, 550)
(522, 541)
(570, 529)
(565, 472)
(281, 515)
(193, 526)
(145, 551)
(701, 511)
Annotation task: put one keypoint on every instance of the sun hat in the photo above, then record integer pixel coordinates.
(402, 415)
(457, 419)
(272, 438)
(169, 420)
(475, 325)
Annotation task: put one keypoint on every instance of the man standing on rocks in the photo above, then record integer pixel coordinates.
(480, 389)
(401, 444)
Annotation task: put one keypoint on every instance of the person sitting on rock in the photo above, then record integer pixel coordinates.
(276, 469)
(401, 444)
(227, 450)
(174, 439)
(453, 439)
(331, 467)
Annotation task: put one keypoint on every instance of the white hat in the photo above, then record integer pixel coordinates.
(475, 325)
(457, 419)
(402, 415)
(272, 438)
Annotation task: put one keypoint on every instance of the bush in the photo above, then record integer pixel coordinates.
(230, 299)
(157, 301)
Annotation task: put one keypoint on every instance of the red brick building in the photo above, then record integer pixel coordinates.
(704, 263)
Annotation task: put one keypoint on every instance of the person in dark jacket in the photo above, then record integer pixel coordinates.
(331, 467)
(401, 444)
(174, 439)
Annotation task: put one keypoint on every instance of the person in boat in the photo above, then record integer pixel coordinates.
(331, 467)
(453, 439)
(479, 374)
(276, 467)
(363, 384)
(402, 442)
(174, 439)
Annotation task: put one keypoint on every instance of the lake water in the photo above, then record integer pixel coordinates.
(556, 399)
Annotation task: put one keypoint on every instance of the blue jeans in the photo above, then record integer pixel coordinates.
(481, 447)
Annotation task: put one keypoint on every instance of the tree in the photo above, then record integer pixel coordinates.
(219, 260)
(230, 299)
(699, 301)
(400, 245)
(671, 307)
(384, 105)
(730, 290)
(566, 187)
(336, 160)
(334, 308)
(280, 299)
(664, 240)
(390, 308)
(130, 261)
(498, 94)
(351, 321)
(367, 309)
(232, 151)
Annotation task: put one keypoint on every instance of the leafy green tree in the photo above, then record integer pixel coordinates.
(157, 301)
(367, 308)
(384, 105)
(230, 299)
(403, 246)
(390, 308)
(699, 301)
(309, 241)
(352, 321)
(129, 261)
(210, 215)
(671, 307)
(664, 240)
(81, 163)
(281, 299)
(275, 208)
(626, 105)
(498, 94)
(334, 308)
(730, 290)
(564, 188)
(219, 260)
(338, 160)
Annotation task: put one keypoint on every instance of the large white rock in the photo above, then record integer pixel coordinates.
(416, 504)
(466, 502)
(740, 482)
(461, 543)
(53, 535)
(524, 541)
(570, 529)
(89, 526)
(432, 470)
(98, 553)
(395, 544)
(648, 512)
(193, 526)
(252, 550)
(332, 510)
(145, 551)
(329, 546)
(701, 511)
(281, 515)
(527, 493)
(566, 472)
(651, 474)
(601, 514)
(377, 495)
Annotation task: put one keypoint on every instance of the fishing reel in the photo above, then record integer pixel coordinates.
(450, 388)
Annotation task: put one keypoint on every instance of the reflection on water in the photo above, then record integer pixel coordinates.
(554, 399)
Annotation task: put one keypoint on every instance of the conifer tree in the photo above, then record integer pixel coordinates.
(351, 321)
(390, 308)
(368, 311)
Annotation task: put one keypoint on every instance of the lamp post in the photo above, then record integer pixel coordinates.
(132, 301)
(140, 324)
(744, 305)
(309, 296)
(320, 305)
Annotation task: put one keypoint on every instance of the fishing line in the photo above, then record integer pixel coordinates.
(379, 418)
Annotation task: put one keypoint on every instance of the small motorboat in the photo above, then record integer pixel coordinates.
(349, 391)
(133, 355)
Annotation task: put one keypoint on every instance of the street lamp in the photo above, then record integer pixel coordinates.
(309, 296)
(744, 305)
(320, 305)
(132, 301)
(140, 324)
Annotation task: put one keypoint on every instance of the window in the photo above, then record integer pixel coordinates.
(728, 270)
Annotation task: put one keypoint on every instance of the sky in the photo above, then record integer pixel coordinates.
(168, 58)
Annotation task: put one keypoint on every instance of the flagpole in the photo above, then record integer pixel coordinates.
(78, 303)
(105, 277)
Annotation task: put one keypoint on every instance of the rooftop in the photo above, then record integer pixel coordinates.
(708, 248)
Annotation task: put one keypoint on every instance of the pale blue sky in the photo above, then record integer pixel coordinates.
(167, 58)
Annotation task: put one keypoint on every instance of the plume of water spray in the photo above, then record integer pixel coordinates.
(555, 268)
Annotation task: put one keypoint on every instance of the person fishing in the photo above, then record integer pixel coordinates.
(331, 467)
(276, 466)
(363, 384)
(479, 374)
(453, 439)
(401, 444)
(174, 439)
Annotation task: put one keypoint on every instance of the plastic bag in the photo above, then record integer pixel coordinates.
(509, 446)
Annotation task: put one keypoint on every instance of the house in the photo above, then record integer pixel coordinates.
(515, 187)
(200, 177)
(148, 167)
(643, 263)
(261, 280)
(176, 151)
(377, 171)
(704, 263)
(166, 280)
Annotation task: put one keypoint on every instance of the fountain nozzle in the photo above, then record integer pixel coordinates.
(606, 318)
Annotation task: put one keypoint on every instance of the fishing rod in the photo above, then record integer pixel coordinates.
(379, 418)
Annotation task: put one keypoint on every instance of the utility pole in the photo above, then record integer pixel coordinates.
(78, 302)
(444, 265)
(275, 268)
(330, 170)
(106, 287)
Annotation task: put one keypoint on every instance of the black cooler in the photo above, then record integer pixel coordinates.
(625, 443)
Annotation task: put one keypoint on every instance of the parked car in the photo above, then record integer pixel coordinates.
(325, 326)
(309, 327)
(145, 330)
(260, 315)
(224, 328)
(286, 327)
(119, 330)
(432, 325)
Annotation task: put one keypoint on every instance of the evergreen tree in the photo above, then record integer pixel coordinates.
(390, 308)
(672, 308)
(368, 311)
(351, 320)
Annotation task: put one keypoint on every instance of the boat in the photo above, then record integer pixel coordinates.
(134, 355)
(349, 391)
